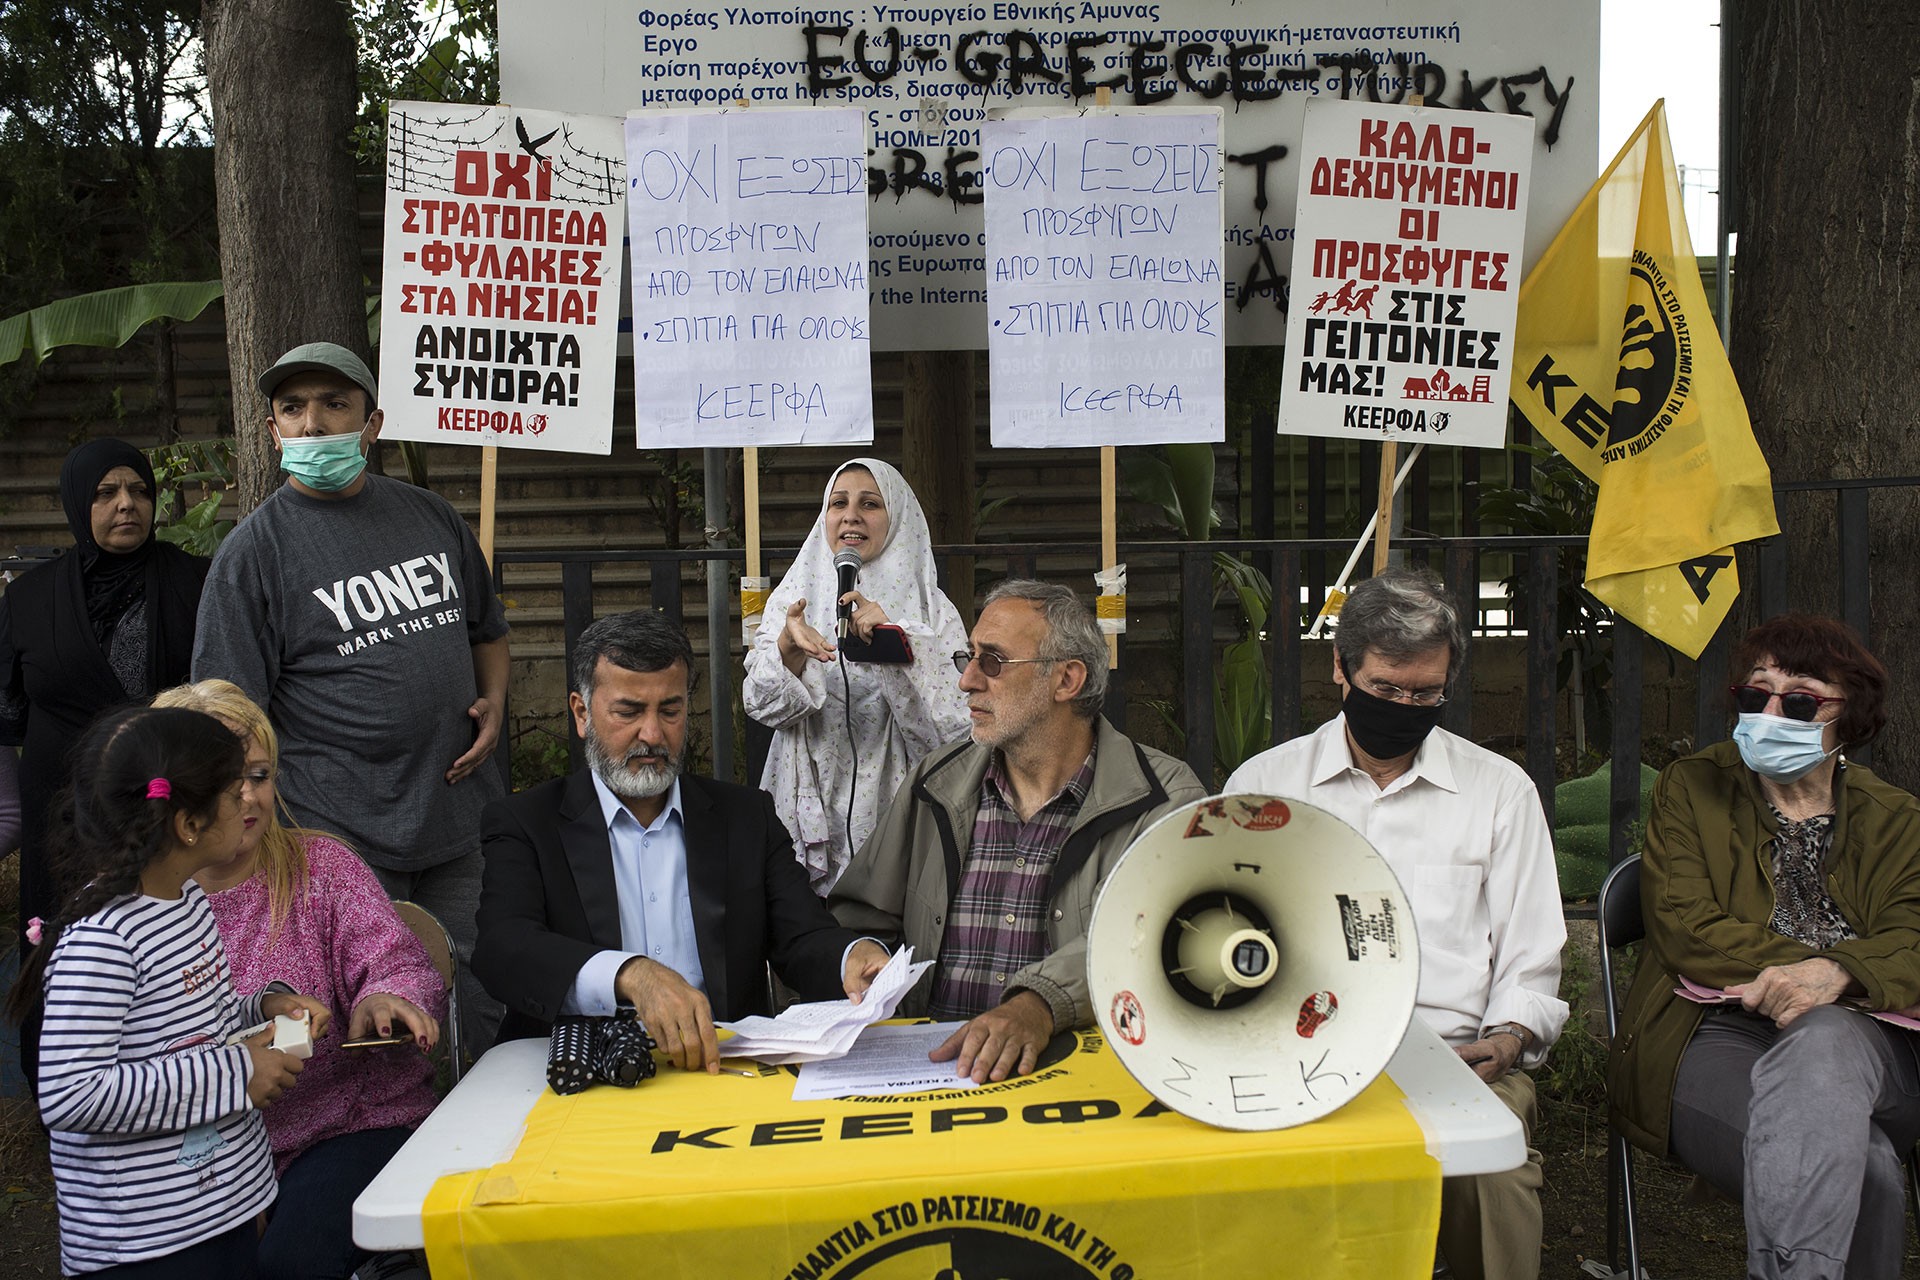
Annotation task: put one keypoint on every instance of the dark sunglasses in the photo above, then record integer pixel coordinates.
(990, 662)
(1798, 705)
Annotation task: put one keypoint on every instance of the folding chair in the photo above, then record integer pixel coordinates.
(1621, 926)
(434, 937)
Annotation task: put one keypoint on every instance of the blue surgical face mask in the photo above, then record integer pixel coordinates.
(326, 463)
(1780, 749)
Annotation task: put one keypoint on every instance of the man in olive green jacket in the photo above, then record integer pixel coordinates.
(990, 857)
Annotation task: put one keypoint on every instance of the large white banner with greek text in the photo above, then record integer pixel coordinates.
(500, 304)
(749, 238)
(1105, 323)
(925, 73)
(1406, 275)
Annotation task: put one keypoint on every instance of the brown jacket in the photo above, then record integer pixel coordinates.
(1706, 887)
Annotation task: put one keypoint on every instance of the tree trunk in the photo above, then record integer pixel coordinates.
(281, 81)
(1825, 295)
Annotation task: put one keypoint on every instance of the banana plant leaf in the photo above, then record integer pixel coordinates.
(106, 318)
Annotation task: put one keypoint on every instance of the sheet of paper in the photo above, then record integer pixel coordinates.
(825, 1028)
(1691, 990)
(883, 1060)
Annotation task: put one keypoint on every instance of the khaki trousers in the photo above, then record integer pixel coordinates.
(1490, 1222)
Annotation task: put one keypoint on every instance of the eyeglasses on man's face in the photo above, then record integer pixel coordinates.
(990, 662)
(1797, 705)
(1394, 693)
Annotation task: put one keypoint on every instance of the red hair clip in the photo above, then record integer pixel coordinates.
(159, 789)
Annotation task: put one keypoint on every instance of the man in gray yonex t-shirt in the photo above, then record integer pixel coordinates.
(359, 612)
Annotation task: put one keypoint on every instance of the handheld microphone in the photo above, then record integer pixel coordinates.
(847, 565)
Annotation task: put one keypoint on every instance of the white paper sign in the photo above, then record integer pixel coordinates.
(500, 309)
(1106, 323)
(1406, 274)
(749, 239)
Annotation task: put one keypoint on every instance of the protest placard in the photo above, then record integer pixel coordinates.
(1106, 324)
(500, 308)
(1406, 270)
(749, 244)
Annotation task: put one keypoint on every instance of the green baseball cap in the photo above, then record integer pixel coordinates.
(313, 357)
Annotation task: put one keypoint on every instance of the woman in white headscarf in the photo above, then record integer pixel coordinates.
(845, 732)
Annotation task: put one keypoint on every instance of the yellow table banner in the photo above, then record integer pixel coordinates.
(1071, 1173)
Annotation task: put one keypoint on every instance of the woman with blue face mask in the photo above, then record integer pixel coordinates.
(1787, 876)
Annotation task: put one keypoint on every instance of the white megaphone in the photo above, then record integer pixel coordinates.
(1253, 961)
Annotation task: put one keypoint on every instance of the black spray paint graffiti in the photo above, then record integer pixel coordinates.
(1152, 76)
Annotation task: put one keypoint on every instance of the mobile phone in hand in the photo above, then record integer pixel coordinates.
(889, 645)
(377, 1042)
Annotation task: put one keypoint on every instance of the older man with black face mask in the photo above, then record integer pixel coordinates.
(1464, 831)
(632, 883)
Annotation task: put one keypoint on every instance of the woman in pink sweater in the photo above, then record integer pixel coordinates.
(300, 907)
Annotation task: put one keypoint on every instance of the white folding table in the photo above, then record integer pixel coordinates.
(479, 1124)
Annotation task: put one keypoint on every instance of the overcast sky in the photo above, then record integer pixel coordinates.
(1651, 49)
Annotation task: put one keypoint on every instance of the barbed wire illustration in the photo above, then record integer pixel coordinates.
(422, 153)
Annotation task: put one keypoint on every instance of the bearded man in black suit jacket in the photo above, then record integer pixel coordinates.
(632, 883)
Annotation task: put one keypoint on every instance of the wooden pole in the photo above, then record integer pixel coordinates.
(754, 589)
(1389, 459)
(1109, 535)
(750, 478)
(489, 484)
(1109, 526)
(1383, 518)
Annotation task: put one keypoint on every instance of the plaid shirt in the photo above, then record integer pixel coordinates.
(997, 922)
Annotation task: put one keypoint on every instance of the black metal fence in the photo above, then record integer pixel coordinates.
(1179, 576)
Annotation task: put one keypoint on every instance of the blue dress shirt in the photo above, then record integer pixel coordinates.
(656, 908)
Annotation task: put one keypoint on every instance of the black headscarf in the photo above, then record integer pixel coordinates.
(97, 586)
(112, 581)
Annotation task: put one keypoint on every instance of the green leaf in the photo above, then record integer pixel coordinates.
(1147, 478)
(103, 319)
(430, 73)
(1242, 706)
(200, 531)
(373, 321)
(1190, 467)
(413, 454)
(990, 505)
(1250, 585)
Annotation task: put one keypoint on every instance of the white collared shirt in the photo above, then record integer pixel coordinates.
(1464, 831)
(656, 907)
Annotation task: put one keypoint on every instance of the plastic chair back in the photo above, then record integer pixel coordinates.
(439, 946)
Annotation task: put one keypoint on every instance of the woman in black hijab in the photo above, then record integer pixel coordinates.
(109, 623)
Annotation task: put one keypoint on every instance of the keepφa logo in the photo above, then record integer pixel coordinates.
(1652, 384)
(1655, 375)
(962, 1237)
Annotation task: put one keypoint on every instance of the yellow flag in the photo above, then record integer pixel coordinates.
(1618, 364)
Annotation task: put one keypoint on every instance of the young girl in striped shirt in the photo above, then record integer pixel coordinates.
(160, 1160)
